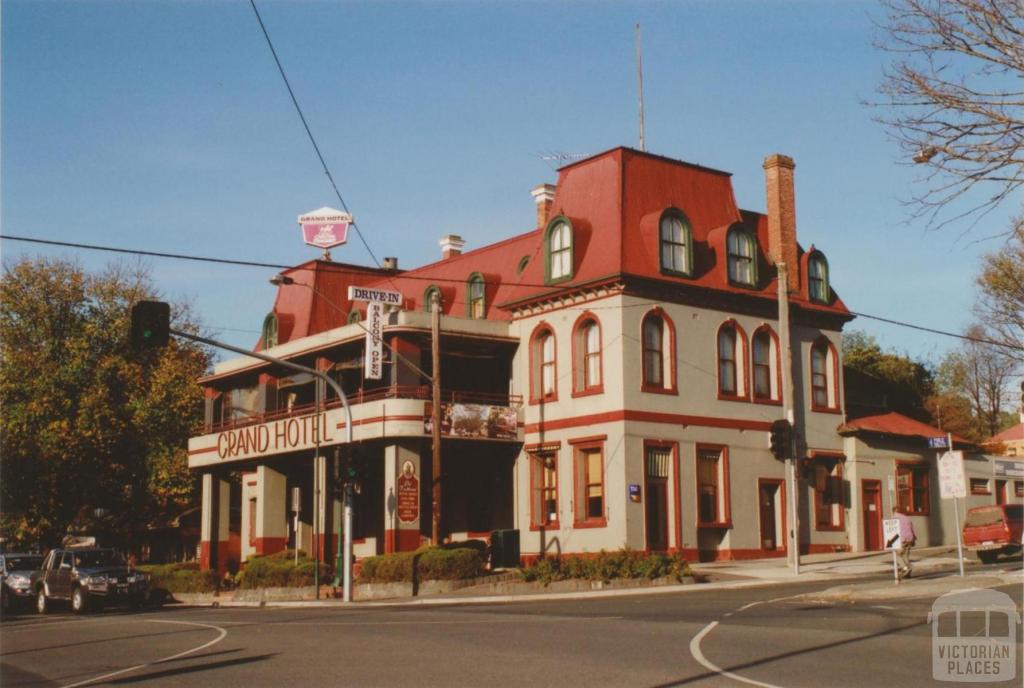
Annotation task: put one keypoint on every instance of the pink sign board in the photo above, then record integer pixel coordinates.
(325, 227)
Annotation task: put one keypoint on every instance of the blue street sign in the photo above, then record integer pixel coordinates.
(937, 442)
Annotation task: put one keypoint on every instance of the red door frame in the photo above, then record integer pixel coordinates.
(781, 539)
(877, 484)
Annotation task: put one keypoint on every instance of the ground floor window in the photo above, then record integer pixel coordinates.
(828, 493)
(712, 486)
(544, 484)
(912, 493)
(589, 484)
(979, 486)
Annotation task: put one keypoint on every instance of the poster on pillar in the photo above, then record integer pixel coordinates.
(373, 363)
(408, 497)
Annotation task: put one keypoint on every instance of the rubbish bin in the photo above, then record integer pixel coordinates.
(504, 549)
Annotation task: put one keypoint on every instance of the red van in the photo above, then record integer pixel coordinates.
(994, 530)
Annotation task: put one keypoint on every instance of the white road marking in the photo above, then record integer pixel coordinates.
(881, 606)
(416, 622)
(699, 656)
(220, 637)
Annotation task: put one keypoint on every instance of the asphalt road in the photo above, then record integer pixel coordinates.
(760, 636)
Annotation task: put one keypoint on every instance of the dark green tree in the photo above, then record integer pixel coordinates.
(87, 424)
(878, 381)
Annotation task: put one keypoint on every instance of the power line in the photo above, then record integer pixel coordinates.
(435, 279)
(309, 132)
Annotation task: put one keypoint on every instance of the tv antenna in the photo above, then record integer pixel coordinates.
(560, 158)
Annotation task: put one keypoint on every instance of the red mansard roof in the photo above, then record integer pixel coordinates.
(614, 201)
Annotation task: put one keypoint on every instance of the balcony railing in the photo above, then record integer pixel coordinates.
(362, 396)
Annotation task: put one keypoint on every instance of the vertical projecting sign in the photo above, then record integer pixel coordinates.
(373, 363)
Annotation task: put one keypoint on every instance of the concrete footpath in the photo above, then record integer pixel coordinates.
(935, 572)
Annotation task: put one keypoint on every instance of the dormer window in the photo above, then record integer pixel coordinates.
(558, 244)
(817, 278)
(270, 331)
(428, 296)
(742, 251)
(676, 253)
(475, 302)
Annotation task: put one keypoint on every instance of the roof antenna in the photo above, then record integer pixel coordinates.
(640, 82)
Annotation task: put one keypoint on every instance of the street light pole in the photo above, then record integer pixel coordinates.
(435, 357)
(793, 543)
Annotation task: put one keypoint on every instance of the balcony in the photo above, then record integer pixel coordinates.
(361, 396)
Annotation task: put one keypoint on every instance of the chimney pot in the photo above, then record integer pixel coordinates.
(544, 196)
(781, 192)
(451, 246)
(390, 263)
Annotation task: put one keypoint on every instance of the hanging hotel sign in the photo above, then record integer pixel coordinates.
(373, 362)
(325, 227)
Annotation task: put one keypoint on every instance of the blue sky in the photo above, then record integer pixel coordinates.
(165, 126)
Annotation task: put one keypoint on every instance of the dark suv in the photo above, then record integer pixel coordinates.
(88, 577)
(17, 572)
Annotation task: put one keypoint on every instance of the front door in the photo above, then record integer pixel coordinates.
(871, 512)
(656, 499)
(770, 513)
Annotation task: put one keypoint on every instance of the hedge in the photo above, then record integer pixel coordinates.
(279, 571)
(180, 577)
(431, 563)
(606, 566)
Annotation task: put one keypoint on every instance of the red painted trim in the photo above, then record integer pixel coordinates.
(207, 450)
(553, 446)
(579, 367)
(725, 520)
(781, 492)
(590, 439)
(270, 545)
(401, 540)
(648, 417)
(579, 505)
(537, 374)
(669, 374)
(877, 484)
(379, 419)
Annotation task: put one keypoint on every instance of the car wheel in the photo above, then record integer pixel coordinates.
(987, 557)
(42, 604)
(79, 601)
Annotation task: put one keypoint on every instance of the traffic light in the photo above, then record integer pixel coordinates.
(151, 323)
(782, 439)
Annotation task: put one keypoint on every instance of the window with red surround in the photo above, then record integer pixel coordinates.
(765, 359)
(588, 485)
(586, 354)
(824, 376)
(732, 369)
(543, 365)
(912, 491)
(544, 490)
(979, 486)
(828, 493)
(713, 509)
(657, 339)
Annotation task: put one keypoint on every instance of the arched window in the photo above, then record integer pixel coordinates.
(587, 355)
(354, 317)
(428, 296)
(765, 365)
(824, 388)
(732, 374)
(544, 371)
(817, 278)
(742, 257)
(657, 338)
(558, 245)
(475, 303)
(270, 331)
(676, 253)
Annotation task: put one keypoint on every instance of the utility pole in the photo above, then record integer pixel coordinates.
(793, 543)
(435, 357)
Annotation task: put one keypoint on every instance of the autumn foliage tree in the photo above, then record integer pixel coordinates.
(87, 424)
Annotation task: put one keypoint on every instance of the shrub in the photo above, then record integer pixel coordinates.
(180, 577)
(278, 570)
(606, 566)
(431, 563)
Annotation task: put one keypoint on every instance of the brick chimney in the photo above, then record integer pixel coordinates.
(778, 177)
(451, 246)
(544, 197)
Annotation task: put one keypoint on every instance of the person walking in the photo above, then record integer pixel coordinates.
(908, 538)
